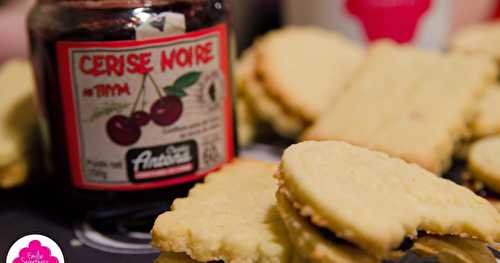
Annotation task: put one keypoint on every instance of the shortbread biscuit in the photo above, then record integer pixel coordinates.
(496, 204)
(18, 118)
(487, 119)
(309, 242)
(14, 174)
(484, 162)
(306, 68)
(231, 217)
(18, 121)
(266, 108)
(451, 249)
(375, 201)
(479, 39)
(409, 103)
(245, 121)
(245, 66)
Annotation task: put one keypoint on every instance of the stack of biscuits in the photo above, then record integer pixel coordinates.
(343, 203)
(483, 153)
(327, 202)
(484, 168)
(482, 40)
(380, 127)
(231, 217)
(291, 76)
(409, 103)
(18, 122)
(425, 107)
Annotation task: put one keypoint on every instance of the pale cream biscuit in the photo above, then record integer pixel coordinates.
(308, 239)
(496, 204)
(18, 118)
(231, 217)
(453, 250)
(14, 174)
(484, 162)
(478, 187)
(487, 119)
(18, 121)
(306, 68)
(266, 108)
(309, 242)
(479, 39)
(245, 66)
(409, 103)
(245, 121)
(375, 201)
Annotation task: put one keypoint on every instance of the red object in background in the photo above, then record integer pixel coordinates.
(389, 19)
(496, 14)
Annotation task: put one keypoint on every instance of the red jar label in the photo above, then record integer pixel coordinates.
(143, 114)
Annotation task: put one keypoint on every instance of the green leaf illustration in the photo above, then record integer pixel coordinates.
(174, 91)
(187, 80)
(108, 109)
(167, 89)
(177, 92)
(182, 83)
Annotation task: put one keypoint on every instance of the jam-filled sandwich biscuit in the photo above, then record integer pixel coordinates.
(246, 119)
(291, 75)
(232, 217)
(322, 246)
(484, 165)
(266, 108)
(449, 249)
(484, 162)
(335, 193)
(478, 39)
(408, 103)
(310, 242)
(18, 121)
(306, 68)
(487, 119)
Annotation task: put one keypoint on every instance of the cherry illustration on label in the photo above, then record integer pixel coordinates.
(395, 19)
(141, 118)
(122, 130)
(165, 111)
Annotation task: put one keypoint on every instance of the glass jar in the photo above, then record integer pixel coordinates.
(135, 95)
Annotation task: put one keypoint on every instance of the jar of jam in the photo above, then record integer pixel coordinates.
(135, 95)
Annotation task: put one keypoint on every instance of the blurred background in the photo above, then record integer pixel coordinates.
(424, 23)
(254, 17)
